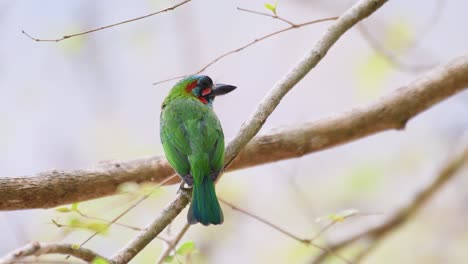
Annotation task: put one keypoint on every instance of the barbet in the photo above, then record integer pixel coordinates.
(193, 142)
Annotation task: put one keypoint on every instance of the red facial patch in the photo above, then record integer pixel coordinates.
(206, 91)
(203, 100)
(191, 86)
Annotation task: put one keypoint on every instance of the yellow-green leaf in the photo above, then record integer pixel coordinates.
(74, 222)
(186, 248)
(75, 246)
(169, 259)
(269, 7)
(272, 7)
(99, 260)
(74, 207)
(97, 227)
(63, 209)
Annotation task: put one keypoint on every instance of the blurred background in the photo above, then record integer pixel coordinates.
(74, 103)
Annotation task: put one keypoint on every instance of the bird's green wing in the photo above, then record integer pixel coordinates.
(192, 138)
(175, 142)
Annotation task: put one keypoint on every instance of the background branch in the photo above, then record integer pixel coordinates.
(37, 249)
(53, 188)
(105, 27)
(377, 233)
(305, 241)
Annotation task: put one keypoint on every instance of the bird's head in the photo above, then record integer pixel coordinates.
(200, 87)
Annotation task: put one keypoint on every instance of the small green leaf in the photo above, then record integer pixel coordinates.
(272, 7)
(63, 209)
(97, 227)
(169, 259)
(74, 222)
(75, 246)
(99, 260)
(269, 7)
(186, 248)
(74, 207)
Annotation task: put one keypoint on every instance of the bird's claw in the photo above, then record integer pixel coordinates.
(184, 190)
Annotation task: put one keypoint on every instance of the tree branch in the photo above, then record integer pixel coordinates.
(377, 233)
(143, 238)
(53, 188)
(104, 27)
(37, 249)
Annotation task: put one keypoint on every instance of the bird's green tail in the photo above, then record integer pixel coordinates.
(205, 207)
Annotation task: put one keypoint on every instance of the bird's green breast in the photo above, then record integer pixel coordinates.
(192, 137)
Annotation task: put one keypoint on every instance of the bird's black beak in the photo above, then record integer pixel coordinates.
(222, 89)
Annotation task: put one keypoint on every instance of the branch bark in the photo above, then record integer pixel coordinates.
(377, 233)
(139, 242)
(37, 249)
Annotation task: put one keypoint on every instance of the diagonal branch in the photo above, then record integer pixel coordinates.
(37, 249)
(138, 243)
(377, 233)
(53, 188)
(253, 124)
(105, 27)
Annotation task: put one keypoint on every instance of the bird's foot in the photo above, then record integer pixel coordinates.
(186, 191)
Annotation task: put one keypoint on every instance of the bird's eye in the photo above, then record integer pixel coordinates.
(205, 82)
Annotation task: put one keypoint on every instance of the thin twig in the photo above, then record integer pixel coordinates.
(172, 244)
(248, 45)
(324, 229)
(266, 222)
(105, 27)
(275, 16)
(307, 242)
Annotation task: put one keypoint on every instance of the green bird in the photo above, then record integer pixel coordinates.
(193, 142)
